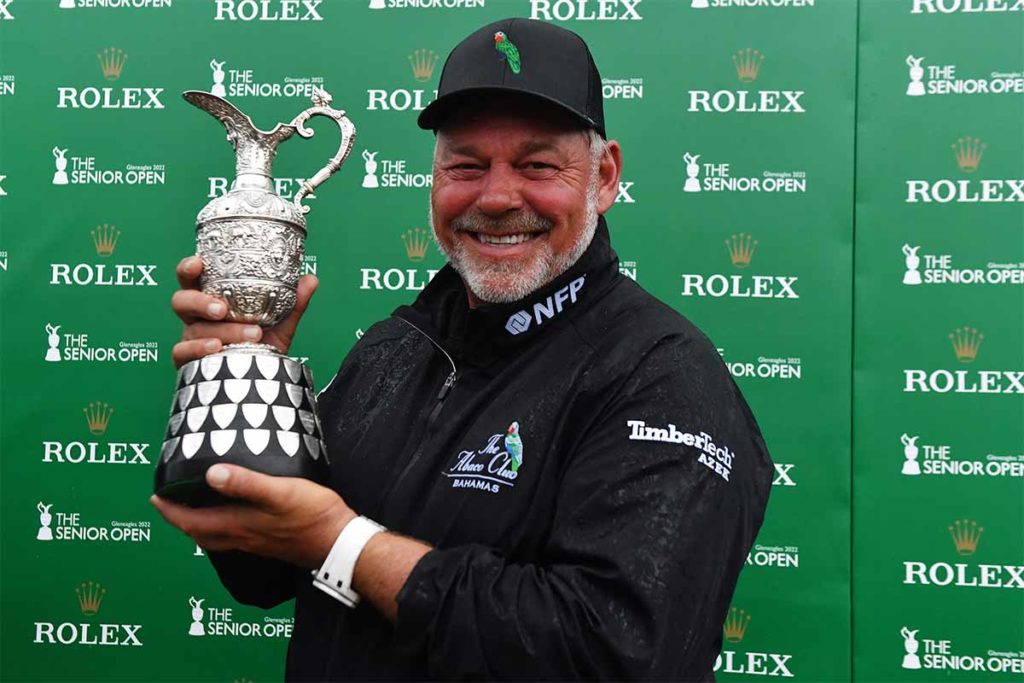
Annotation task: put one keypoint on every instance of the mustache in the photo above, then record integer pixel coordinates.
(508, 224)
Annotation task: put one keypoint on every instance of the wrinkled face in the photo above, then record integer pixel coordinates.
(515, 199)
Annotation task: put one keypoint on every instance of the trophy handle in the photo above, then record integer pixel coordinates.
(322, 102)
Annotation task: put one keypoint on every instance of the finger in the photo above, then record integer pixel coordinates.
(239, 482)
(188, 271)
(191, 305)
(303, 293)
(228, 333)
(186, 351)
(211, 522)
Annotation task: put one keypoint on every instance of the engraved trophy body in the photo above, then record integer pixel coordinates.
(249, 404)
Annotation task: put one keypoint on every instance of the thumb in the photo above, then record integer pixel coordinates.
(240, 482)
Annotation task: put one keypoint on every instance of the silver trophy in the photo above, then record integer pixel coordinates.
(249, 404)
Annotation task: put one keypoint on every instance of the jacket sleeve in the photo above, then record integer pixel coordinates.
(649, 534)
(254, 580)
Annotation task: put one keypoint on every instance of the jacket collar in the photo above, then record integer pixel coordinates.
(481, 335)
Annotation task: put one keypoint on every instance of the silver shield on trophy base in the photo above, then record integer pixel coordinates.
(249, 404)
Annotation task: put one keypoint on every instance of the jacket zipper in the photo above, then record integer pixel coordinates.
(449, 382)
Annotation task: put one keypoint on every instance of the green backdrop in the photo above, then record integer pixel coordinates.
(785, 187)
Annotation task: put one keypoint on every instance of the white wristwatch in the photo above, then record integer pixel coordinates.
(335, 576)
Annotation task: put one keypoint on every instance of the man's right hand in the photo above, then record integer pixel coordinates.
(205, 333)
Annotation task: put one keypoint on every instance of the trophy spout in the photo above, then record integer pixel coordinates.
(255, 149)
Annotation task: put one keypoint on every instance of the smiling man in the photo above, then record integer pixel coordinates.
(538, 470)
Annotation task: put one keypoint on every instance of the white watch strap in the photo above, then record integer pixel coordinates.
(335, 576)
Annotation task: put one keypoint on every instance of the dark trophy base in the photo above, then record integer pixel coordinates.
(247, 406)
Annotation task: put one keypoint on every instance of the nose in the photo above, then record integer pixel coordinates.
(501, 191)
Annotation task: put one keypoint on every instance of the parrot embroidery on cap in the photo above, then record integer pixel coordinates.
(514, 446)
(507, 50)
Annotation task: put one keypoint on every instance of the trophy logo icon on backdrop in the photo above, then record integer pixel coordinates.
(911, 645)
(910, 452)
(44, 533)
(249, 404)
(913, 262)
(915, 88)
(692, 171)
(197, 628)
(370, 179)
(53, 339)
(60, 177)
(218, 78)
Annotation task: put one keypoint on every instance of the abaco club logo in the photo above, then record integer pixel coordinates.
(741, 248)
(747, 64)
(943, 79)
(112, 61)
(90, 595)
(966, 343)
(968, 153)
(938, 459)
(105, 239)
(493, 467)
(718, 177)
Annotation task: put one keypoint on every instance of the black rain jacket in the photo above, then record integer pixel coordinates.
(604, 542)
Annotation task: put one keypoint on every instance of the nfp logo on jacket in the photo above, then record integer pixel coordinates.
(492, 467)
(716, 458)
(520, 321)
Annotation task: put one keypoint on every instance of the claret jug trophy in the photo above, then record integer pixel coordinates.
(249, 404)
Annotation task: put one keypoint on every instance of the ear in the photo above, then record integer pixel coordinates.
(609, 172)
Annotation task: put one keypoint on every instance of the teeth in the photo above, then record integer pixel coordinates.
(503, 239)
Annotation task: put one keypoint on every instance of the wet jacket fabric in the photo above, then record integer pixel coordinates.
(584, 465)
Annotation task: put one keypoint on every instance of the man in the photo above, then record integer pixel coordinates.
(570, 478)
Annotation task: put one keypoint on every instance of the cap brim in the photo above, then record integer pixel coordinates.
(433, 116)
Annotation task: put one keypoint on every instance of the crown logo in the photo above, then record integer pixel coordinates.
(104, 237)
(112, 61)
(416, 243)
(741, 249)
(748, 64)
(736, 625)
(423, 62)
(98, 416)
(966, 534)
(966, 341)
(968, 153)
(90, 595)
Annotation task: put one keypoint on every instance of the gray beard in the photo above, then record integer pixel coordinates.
(512, 280)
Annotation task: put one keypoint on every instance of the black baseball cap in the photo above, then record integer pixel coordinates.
(522, 56)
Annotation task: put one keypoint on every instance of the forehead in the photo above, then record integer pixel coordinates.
(506, 118)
